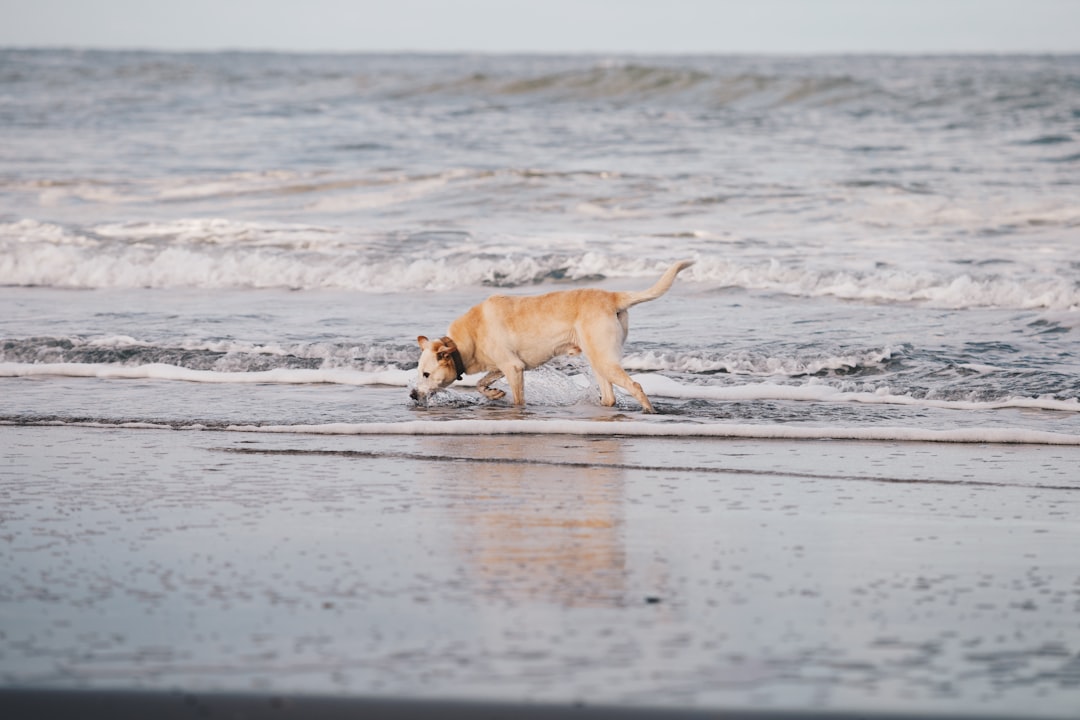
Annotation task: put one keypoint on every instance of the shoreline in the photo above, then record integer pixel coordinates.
(615, 427)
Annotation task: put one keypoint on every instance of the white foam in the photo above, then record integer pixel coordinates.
(33, 232)
(549, 387)
(158, 371)
(112, 341)
(750, 364)
(330, 355)
(661, 386)
(1022, 290)
(216, 253)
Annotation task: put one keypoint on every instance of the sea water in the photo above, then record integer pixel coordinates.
(886, 247)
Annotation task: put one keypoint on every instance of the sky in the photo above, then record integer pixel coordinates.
(603, 26)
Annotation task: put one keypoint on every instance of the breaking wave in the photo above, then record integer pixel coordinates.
(224, 356)
(217, 254)
(550, 386)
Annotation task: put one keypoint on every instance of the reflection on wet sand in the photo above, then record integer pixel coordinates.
(526, 536)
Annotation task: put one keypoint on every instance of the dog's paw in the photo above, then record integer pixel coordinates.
(493, 393)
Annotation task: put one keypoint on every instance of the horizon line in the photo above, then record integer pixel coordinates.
(225, 49)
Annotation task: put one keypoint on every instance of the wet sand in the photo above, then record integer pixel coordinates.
(660, 572)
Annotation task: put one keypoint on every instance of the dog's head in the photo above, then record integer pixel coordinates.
(440, 365)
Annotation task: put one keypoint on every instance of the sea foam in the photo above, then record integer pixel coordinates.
(219, 254)
(158, 371)
(547, 387)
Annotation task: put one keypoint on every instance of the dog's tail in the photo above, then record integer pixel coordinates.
(629, 299)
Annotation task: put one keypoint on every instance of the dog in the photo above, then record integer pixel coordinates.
(506, 335)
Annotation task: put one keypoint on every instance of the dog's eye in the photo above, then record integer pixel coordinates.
(427, 374)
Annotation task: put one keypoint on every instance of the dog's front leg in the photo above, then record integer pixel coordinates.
(607, 391)
(515, 377)
(484, 385)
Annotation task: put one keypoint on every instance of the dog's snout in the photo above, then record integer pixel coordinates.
(414, 394)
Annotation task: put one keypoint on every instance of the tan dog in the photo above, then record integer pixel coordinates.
(505, 336)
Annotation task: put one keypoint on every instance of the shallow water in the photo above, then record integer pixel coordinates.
(896, 226)
(322, 357)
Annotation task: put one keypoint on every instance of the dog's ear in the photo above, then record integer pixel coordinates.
(423, 342)
(448, 348)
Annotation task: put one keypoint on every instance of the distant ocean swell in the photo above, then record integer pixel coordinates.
(322, 82)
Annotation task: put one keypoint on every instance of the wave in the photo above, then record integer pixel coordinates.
(898, 285)
(548, 386)
(758, 364)
(643, 83)
(230, 356)
(323, 190)
(220, 254)
(161, 371)
(979, 85)
(239, 356)
(323, 79)
(881, 85)
(662, 386)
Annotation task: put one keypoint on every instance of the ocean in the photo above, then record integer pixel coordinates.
(880, 241)
(857, 491)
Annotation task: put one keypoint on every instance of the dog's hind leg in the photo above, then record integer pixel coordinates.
(602, 342)
(484, 385)
(614, 374)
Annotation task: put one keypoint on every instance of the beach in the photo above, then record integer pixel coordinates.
(664, 572)
(858, 495)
